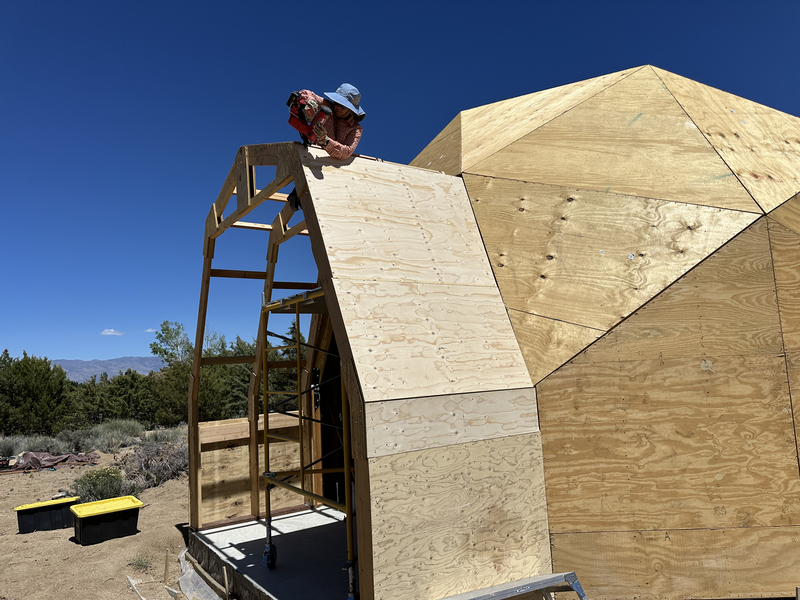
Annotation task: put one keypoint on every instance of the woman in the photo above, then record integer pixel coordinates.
(341, 132)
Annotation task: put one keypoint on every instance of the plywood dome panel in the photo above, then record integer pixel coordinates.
(632, 138)
(760, 144)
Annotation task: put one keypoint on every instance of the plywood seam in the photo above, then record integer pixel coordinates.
(377, 457)
(554, 319)
(658, 295)
(524, 387)
(619, 193)
(708, 141)
(789, 199)
(783, 343)
(671, 529)
(623, 78)
(415, 281)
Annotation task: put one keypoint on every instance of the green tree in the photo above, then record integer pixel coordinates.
(33, 395)
(172, 345)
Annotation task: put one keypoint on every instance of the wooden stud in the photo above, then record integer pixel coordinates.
(226, 192)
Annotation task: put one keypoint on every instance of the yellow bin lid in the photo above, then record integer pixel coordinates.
(48, 503)
(102, 507)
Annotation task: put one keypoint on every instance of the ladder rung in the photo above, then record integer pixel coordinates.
(297, 490)
(282, 347)
(284, 393)
(284, 438)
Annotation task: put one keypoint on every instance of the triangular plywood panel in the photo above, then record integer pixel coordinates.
(658, 424)
(632, 138)
(788, 214)
(590, 258)
(786, 255)
(760, 144)
(487, 129)
(444, 152)
(546, 344)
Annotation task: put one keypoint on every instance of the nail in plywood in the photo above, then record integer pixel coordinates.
(706, 563)
(459, 518)
(444, 152)
(786, 255)
(397, 426)
(546, 344)
(487, 129)
(725, 306)
(788, 214)
(421, 339)
(586, 257)
(632, 138)
(381, 221)
(760, 144)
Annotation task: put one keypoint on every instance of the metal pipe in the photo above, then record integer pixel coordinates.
(307, 472)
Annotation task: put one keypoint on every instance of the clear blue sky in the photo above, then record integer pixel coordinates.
(119, 122)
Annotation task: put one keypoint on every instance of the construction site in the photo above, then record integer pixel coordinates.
(556, 353)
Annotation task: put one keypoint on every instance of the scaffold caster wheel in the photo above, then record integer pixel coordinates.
(271, 557)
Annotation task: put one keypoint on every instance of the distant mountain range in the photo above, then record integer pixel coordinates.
(82, 370)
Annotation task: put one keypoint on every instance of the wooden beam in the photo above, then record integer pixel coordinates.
(227, 191)
(282, 181)
(295, 230)
(276, 197)
(245, 180)
(278, 285)
(195, 519)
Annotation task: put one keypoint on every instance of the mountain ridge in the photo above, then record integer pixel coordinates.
(82, 370)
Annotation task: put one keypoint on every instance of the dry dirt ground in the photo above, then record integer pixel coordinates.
(51, 565)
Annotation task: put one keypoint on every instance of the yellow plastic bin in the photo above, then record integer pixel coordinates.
(103, 520)
(43, 516)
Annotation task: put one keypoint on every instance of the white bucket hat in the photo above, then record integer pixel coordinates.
(348, 96)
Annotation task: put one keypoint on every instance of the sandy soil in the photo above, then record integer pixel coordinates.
(51, 565)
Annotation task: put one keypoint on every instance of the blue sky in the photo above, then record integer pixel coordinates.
(119, 122)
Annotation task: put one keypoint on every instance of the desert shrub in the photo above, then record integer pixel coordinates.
(114, 434)
(171, 435)
(141, 562)
(153, 463)
(101, 484)
(14, 444)
(78, 440)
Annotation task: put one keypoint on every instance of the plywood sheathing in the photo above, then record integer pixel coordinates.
(486, 129)
(760, 144)
(632, 138)
(459, 518)
(444, 152)
(786, 256)
(679, 419)
(757, 562)
(788, 214)
(418, 300)
(590, 258)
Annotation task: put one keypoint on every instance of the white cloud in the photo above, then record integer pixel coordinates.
(111, 332)
(150, 330)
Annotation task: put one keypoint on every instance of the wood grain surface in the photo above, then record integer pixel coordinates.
(546, 344)
(786, 254)
(673, 443)
(419, 339)
(788, 214)
(725, 306)
(225, 480)
(760, 144)
(590, 258)
(754, 562)
(396, 426)
(444, 151)
(490, 128)
(632, 138)
(460, 518)
(381, 221)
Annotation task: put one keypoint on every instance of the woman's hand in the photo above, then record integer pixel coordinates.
(322, 135)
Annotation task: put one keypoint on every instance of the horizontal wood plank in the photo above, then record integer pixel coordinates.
(397, 426)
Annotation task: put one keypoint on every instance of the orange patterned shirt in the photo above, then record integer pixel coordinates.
(343, 134)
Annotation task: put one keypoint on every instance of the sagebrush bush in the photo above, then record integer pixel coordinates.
(12, 445)
(101, 484)
(173, 434)
(153, 463)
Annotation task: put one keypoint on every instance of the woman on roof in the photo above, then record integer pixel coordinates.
(341, 132)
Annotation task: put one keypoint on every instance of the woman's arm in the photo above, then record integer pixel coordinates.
(344, 150)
